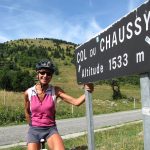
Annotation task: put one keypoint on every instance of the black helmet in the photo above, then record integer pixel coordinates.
(45, 64)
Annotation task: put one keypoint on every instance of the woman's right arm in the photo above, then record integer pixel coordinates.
(27, 107)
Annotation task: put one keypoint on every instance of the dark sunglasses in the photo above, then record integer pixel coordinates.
(47, 73)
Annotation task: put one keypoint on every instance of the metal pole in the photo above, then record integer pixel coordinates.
(145, 96)
(89, 116)
(134, 103)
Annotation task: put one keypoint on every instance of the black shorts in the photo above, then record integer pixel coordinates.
(35, 134)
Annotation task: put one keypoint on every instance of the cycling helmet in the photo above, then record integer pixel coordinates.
(45, 64)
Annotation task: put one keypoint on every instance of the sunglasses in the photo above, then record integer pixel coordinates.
(47, 73)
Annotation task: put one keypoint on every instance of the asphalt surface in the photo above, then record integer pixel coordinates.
(16, 134)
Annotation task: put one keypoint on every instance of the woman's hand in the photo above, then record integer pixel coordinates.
(89, 87)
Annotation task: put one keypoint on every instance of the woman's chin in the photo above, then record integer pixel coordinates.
(45, 83)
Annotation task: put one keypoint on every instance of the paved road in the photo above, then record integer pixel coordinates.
(16, 134)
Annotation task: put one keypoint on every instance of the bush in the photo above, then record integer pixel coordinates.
(21, 81)
(15, 80)
(5, 80)
(10, 114)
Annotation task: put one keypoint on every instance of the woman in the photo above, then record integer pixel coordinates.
(40, 108)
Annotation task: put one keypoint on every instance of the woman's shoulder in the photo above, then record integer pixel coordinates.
(30, 89)
(52, 87)
(58, 90)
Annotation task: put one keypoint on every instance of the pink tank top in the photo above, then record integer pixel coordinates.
(42, 112)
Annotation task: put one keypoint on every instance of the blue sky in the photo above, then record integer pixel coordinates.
(71, 20)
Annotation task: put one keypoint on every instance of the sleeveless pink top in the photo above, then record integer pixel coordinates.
(42, 112)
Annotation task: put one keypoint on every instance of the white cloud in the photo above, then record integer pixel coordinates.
(3, 39)
(32, 24)
(77, 32)
(56, 27)
(14, 7)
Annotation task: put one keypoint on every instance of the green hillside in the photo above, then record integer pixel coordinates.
(18, 59)
(24, 53)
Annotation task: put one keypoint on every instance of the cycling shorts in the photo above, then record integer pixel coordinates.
(35, 134)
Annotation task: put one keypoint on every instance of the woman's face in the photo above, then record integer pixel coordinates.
(44, 76)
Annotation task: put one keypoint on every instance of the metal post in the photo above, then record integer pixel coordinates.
(134, 103)
(145, 96)
(89, 116)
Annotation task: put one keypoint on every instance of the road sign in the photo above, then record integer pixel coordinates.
(122, 49)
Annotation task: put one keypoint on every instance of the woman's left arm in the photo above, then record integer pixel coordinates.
(69, 99)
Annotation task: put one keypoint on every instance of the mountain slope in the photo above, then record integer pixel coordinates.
(24, 53)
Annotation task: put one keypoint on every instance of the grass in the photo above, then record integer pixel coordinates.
(126, 137)
(101, 99)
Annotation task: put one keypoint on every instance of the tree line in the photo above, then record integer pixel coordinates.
(17, 80)
(18, 59)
